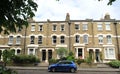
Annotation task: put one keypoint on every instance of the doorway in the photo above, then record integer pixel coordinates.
(91, 54)
(97, 55)
(49, 54)
(43, 55)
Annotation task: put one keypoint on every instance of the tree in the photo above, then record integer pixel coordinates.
(15, 13)
(62, 52)
(110, 1)
(7, 55)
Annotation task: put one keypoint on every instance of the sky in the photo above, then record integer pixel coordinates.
(78, 9)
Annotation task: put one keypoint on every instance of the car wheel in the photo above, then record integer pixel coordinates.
(53, 70)
(72, 70)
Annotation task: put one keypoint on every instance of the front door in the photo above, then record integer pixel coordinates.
(43, 55)
(97, 55)
(49, 54)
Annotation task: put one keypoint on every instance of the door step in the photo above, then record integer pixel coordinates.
(102, 65)
(44, 64)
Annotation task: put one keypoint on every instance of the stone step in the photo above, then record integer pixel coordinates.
(102, 65)
(43, 64)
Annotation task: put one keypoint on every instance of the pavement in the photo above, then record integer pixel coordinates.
(81, 69)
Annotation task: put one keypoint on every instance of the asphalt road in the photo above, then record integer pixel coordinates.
(78, 72)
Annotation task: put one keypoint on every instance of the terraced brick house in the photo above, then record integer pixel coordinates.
(101, 38)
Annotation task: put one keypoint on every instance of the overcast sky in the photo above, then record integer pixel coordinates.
(78, 9)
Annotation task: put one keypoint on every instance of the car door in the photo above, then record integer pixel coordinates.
(60, 66)
(67, 66)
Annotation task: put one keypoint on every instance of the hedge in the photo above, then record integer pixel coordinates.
(114, 64)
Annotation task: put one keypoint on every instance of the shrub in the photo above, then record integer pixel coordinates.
(79, 61)
(88, 60)
(52, 61)
(25, 59)
(114, 64)
(71, 58)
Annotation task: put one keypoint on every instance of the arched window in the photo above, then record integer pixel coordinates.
(77, 38)
(62, 39)
(32, 39)
(18, 51)
(40, 39)
(10, 40)
(100, 38)
(54, 39)
(85, 39)
(18, 40)
(109, 39)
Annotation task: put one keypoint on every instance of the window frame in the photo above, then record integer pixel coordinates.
(40, 39)
(100, 39)
(40, 27)
(100, 27)
(109, 54)
(107, 26)
(109, 39)
(54, 39)
(54, 27)
(62, 27)
(62, 39)
(32, 27)
(85, 39)
(77, 27)
(11, 40)
(18, 40)
(32, 41)
(77, 38)
(85, 27)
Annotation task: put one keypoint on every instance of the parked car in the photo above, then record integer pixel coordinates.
(68, 66)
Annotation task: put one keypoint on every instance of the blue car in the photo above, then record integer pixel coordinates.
(68, 66)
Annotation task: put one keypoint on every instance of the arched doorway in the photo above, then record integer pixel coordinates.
(91, 54)
(97, 55)
(43, 55)
(49, 54)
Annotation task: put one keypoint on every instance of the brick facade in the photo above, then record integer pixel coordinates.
(82, 37)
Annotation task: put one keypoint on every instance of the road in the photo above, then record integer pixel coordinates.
(78, 72)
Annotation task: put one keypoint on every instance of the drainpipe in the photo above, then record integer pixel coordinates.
(69, 44)
(117, 42)
(25, 40)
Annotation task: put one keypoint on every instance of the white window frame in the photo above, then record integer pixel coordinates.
(54, 27)
(18, 40)
(100, 27)
(85, 26)
(32, 27)
(54, 40)
(40, 27)
(76, 50)
(77, 27)
(77, 39)
(109, 39)
(32, 41)
(109, 54)
(11, 38)
(31, 52)
(40, 39)
(108, 27)
(100, 39)
(62, 40)
(62, 27)
(85, 39)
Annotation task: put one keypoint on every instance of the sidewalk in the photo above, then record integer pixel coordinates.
(80, 69)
